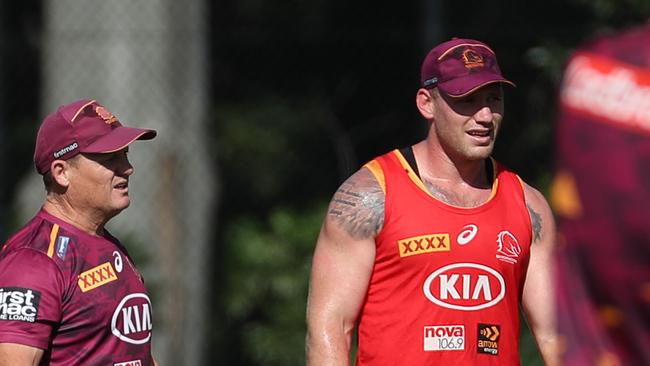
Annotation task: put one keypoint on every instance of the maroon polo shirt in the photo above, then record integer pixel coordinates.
(77, 296)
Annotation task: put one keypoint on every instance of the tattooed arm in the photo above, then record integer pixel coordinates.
(538, 299)
(341, 268)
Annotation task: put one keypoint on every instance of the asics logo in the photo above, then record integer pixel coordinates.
(468, 233)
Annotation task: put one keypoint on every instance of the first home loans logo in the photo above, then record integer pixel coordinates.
(424, 244)
(17, 303)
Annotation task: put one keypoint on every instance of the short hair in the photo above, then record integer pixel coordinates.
(48, 180)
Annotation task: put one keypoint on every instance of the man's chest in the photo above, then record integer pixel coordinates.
(107, 297)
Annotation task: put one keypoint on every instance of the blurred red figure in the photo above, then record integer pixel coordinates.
(601, 194)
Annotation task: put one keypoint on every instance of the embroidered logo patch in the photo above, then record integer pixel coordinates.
(104, 114)
(472, 59)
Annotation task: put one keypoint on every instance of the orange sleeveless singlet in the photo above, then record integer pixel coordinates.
(447, 281)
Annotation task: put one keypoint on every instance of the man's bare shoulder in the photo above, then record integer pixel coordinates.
(358, 205)
(540, 213)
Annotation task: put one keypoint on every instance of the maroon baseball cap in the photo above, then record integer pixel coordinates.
(460, 66)
(83, 126)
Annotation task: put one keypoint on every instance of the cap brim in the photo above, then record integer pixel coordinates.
(460, 87)
(118, 139)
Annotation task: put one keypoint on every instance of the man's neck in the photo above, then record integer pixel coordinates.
(88, 222)
(462, 184)
(435, 165)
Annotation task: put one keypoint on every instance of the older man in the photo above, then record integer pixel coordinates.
(69, 292)
(430, 249)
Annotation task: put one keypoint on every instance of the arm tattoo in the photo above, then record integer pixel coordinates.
(536, 221)
(358, 205)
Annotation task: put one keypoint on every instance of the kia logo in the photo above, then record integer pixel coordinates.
(465, 286)
(132, 321)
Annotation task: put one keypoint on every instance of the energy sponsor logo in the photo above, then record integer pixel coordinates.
(17, 303)
(444, 338)
(131, 320)
(488, 338)
(97, 276)
(129, 363)
(424, 244)
(465, 286)
(508, 248)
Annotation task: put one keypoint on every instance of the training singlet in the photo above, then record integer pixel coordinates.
(75, 295)
(447, 281)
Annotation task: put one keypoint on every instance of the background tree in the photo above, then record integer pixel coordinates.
(303, 93)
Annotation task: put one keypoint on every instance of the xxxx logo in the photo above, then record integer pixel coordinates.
(96, 277)
(424, 244)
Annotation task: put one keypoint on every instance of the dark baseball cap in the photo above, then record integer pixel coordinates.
(83, 126)
(460, 66)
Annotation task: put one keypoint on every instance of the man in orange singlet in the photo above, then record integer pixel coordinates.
(429, 250)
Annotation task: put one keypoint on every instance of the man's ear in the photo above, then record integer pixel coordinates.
(60, 170)
(424, 102)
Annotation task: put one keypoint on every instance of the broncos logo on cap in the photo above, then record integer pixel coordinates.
(104, 114)
(472, 59)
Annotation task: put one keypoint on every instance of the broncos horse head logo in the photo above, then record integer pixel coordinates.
(508, 248)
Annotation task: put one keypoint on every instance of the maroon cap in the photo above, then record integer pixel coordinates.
(83, 126)
(460, 66)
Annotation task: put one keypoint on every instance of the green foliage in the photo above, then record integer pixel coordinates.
(277, 151)
(528, 352)
(267, 282)
(277, 158)
(617, 12)
(299, 100)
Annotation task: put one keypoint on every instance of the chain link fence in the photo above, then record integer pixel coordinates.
(146, 62)
(291, 97)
